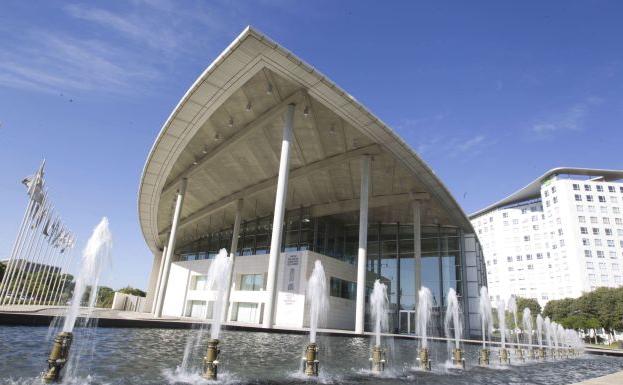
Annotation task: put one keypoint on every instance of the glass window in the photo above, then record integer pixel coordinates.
(252, 282)
(343, 289)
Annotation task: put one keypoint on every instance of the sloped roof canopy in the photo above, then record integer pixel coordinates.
(225, 137)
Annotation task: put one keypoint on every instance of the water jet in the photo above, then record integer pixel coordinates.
(453, 311)
(424, 309)
(316, 295)
(486, 320)
(379, 305)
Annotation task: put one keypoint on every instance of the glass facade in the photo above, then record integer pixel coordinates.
(390, 255)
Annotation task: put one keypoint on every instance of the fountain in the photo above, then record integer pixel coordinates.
(501, 308)
(379, 305)
(453, 311)
(527, 329)
(539, 334)
(217, 281)
(424, 309)
(317, 298)
(486, 320)
(512, 308)
(554, 333)
(548, 337)
(95, 256)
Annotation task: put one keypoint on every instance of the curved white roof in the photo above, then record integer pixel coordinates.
(224, 135)
(533, 189)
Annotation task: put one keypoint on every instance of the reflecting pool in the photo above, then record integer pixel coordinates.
(154, 356)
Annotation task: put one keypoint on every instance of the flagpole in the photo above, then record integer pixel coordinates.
(55, 279)
(22, 235)
(57, 284)
(27, 284)
(48, 281)
(60, 293)
(8, 274)
(41, 276)
(26, 261)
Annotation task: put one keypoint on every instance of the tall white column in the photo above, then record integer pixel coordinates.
(280, 208)
(170, 247)
(417, 246)
(360, 305)
(232, 256)
(158, 280)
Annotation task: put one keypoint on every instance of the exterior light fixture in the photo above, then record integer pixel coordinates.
(332, 129)
(269, 89)
(306, 220)
(217, 137)
(306, 111)
(231, 122)
(249, 107)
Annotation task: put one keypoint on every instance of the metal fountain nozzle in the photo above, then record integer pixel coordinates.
(58, 356)
(484, 357)
(520, 354)
(457, 358)
(424, 359)
(504, 357)
(377, 361)
(210, 361)
(542, 353)
(310, 360)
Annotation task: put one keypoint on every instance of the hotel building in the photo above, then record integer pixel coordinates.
(267, 158)
(558, 237)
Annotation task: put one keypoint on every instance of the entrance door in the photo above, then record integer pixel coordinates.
(406, 321)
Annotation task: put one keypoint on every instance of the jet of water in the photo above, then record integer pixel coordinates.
(486, 315)
(527, 324)
(95, 257)
(453, 311)
(512, 307)
(318, 299)
(539, 329)
(547, 325)
(554, 333)
(217, 281)
(501, 308)
(379, 305)
(424, 310)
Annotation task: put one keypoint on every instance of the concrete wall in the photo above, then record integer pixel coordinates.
(128, 302)
(294, 269)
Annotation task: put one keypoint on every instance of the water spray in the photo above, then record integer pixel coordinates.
(424, 309)
(379, 306)
(318, 299)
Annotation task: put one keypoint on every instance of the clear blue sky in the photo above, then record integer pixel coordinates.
(491, 94)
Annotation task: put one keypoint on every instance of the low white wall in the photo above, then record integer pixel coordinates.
(128, 302)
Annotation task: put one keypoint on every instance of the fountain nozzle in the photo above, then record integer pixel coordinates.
(310, 361)
(377, 361)
(483, 359)
(504, 357)
(424, 359)
(542, 354)
(520, 354)
(457, 358)
(58, 356)
(210, 361)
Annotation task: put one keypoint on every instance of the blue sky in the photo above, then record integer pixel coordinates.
(490, 94)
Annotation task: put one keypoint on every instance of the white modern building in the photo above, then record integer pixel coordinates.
(558, 237)
(267, 158)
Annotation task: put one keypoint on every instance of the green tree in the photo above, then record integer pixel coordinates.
(529, 303)
(558, 309)
(132, 291)
(2, 270)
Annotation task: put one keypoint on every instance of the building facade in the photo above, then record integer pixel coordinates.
(268, 159)
(558, 237)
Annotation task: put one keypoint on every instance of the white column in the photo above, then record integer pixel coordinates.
(170, 247)
(360, 305)
(417, 246)
(232, 256)
(158, 280)
(280, 208)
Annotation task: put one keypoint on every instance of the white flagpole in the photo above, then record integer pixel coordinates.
(8, 274)
(57, 280)
(61, 273)
(27, 257)
(27, 284)
(56, 227)
(70, 257)
(41, 275)
(48, 280)
(22, 235)
(40, 257)
(19, 264)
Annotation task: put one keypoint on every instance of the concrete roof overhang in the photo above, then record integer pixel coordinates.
(533, 189)
(225, 136)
